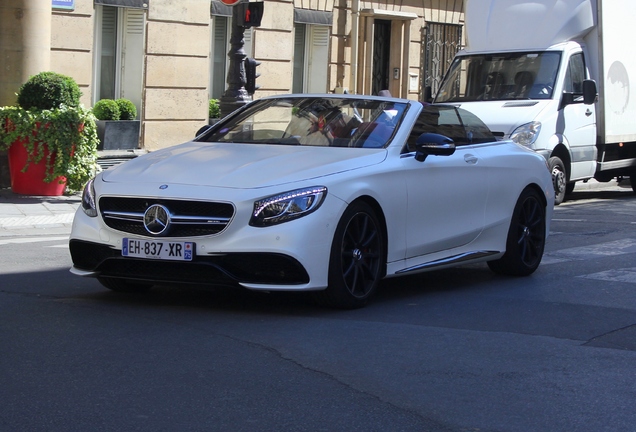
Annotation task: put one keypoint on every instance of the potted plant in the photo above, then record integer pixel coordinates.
(214, 111)
(117, 127)
(50, 138)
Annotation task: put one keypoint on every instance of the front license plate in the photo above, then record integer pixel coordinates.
(164, 250)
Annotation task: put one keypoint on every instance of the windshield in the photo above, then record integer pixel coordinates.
(507, 76)
(313, 121)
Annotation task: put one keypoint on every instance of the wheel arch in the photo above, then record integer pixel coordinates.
(562, 152)
(539, 191)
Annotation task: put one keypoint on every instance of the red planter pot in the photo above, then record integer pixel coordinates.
(31, 182)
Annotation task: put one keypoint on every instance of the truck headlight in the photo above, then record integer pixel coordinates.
(88, 199)
(526, 134)
(287, 206)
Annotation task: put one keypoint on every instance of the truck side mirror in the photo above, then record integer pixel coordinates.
(590, 92)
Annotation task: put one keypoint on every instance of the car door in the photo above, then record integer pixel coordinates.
(447, 195)
(577, 122)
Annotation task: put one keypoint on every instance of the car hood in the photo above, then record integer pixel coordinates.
(506, 116)
(240, 166)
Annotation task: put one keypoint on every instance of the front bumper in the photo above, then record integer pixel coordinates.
(94, 259)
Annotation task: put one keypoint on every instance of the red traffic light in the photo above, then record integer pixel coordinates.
(251, 15)
(230, 2)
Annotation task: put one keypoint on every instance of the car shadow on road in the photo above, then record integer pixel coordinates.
(61, 286)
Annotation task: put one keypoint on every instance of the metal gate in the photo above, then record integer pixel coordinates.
(440, 44)
(381, 45)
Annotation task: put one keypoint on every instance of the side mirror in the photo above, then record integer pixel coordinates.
(434, 145)
(202, 130)
(590, 92)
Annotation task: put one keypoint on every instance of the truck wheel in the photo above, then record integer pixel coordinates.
(559, 180)
(570, 188)
(632, 180)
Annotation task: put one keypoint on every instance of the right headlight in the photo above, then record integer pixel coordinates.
(526, 134)
(88, 199)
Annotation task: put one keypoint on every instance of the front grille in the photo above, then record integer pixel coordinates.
(188, 218)
(248, 267)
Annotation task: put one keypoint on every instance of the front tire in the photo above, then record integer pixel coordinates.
(559, 179)
(526, 237)
(124, 286)
(357, 259)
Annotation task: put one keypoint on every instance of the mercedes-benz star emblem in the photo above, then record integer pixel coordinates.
(156, 219)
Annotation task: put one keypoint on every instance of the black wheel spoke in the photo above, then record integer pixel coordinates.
(360, 254)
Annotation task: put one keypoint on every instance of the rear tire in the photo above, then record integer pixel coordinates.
(559, 179)
(526, 237)
(357, 259)
(123, 285)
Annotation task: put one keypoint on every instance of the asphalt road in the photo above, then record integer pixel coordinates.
(452, 350)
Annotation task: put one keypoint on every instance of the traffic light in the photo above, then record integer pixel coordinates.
(251, 14)
(251, 75)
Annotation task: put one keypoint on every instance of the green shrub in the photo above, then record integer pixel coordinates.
(49, 90)
(106, 109)
(127, 109)
(214, 110)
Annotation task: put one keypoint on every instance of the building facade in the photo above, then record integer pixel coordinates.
(170, 56)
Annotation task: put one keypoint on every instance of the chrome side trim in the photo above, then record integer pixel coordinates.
(468, 256)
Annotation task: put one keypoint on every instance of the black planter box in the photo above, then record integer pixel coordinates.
(118, 135)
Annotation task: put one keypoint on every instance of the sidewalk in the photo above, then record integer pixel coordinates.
(22, 215)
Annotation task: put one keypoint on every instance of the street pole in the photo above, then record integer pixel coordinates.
(235, 96)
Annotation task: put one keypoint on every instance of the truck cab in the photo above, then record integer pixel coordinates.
(542, 99)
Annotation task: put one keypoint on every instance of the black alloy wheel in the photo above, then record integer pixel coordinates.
(357, 259)
(526, 237)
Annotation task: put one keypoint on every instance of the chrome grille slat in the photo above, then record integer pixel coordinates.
(187, 218)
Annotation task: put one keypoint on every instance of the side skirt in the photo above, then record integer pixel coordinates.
(449, 261)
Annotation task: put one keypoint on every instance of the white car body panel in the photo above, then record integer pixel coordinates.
(443, 207)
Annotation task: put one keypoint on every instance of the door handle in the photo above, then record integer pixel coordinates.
(471, 159)
(588, 112)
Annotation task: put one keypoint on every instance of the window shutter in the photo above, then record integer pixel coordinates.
(132, 56)
(318, 59)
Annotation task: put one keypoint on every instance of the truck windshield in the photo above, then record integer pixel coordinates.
(500, 76)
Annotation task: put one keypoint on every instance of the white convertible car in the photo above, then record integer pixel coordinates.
(323, 193)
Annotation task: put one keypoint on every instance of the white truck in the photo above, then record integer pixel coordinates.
(553, 75)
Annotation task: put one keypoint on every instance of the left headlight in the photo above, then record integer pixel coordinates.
(526, 134)
(287, 206)
(88, 199)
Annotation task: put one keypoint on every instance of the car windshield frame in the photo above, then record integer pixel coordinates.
(316, 121)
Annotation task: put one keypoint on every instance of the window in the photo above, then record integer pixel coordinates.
(575, 74)
(311, 57)
(440, 44)
(463, 127)
(119, 51)
(220, 46)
